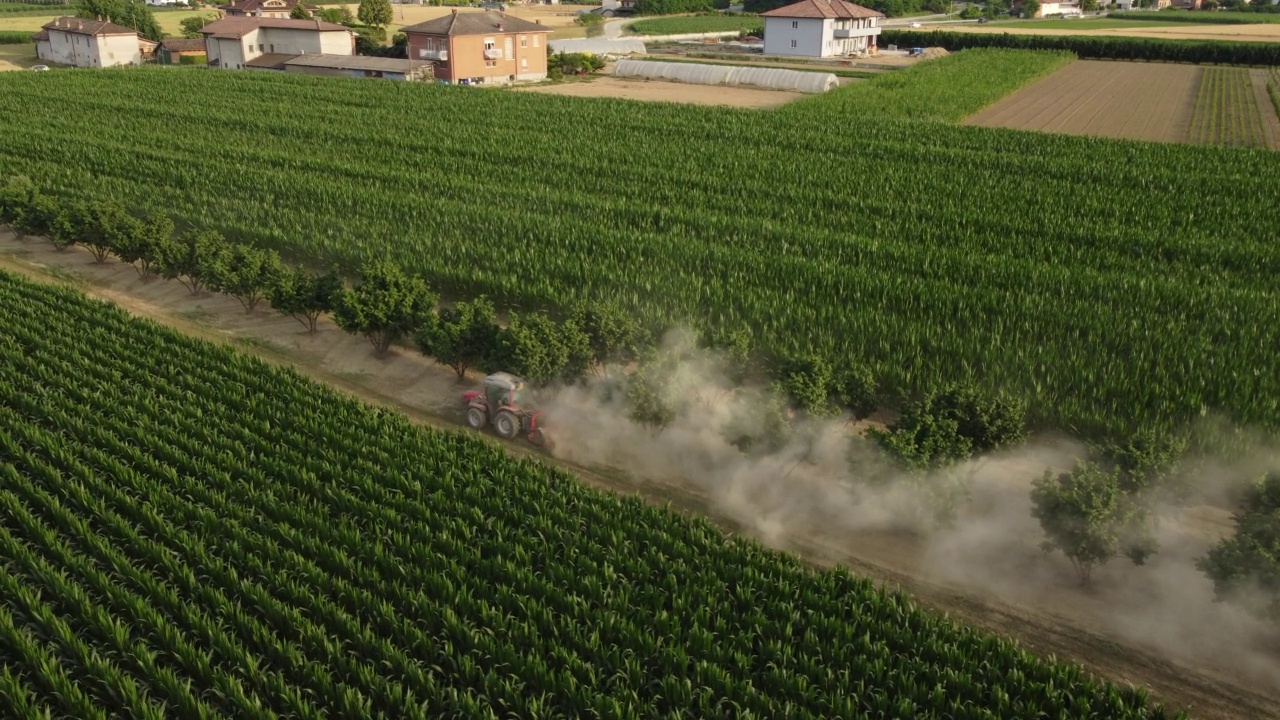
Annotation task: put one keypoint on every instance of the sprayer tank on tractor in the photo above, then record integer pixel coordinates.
(502, 404)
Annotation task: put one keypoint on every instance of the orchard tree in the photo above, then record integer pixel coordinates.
(36, 215)
(1148, 460)
(1087, 515)
(614, 335)
(65, 228)
(462, 335)
(735, 347)
(810, 383)
(16, 195)
(534, 347)
(374, 13)
(245, 273)
(858, 390)
(304, 295)
(97, 225)
(648, 395)
(193, 258)
(386, 306)
(1245, 568)
(144, 242)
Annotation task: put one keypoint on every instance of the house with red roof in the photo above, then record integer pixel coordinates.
(821, 28)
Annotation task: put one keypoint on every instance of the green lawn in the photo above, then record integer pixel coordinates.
(169, 20)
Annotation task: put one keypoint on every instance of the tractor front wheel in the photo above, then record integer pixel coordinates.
(476, 417)
(507, 424)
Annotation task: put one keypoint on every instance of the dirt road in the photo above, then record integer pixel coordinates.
(1151, 626)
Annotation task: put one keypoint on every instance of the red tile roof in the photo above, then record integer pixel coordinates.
(824, 9)
(238, 27)
(79, 26)
(474, 23)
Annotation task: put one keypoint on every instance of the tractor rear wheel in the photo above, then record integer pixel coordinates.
(476, 417)
(507, 424)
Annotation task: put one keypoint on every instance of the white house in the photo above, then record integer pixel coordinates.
(88, 43)
(821, 28)
(236, 43)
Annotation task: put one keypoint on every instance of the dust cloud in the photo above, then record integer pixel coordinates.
(828, 486)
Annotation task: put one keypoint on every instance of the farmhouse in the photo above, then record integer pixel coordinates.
(236, 43)
(89, 43)
(480, 47)
(260, 8)
(821, 28)
(184, 51)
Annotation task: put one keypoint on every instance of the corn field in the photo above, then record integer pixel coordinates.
(1226, 110)
(188, 532)
(1112, 284)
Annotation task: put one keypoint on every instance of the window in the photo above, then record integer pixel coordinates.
(793, 43)
(273, 47)
(524, 62)
(536, 40)
(259, 48)
(524, 41)
(795, 24)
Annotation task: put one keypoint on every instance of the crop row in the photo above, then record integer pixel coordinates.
(926, 252)
(1226, 110)
(187, 530)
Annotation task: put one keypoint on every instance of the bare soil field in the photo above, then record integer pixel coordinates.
(1138, 101)
(1263, 32)
(664, 91)
(1152, 625)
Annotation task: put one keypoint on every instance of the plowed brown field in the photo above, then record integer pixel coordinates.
(1139, 101)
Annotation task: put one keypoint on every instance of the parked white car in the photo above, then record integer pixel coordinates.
(39, 68)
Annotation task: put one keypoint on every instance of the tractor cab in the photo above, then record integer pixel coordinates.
(501, 403)
(503, 389)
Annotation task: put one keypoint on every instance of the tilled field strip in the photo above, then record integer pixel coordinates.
(1112, 99)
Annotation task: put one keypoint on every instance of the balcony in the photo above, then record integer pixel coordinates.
(493, 54)
(441, 55)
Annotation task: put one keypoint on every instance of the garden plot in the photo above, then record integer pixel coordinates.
(1111, 99)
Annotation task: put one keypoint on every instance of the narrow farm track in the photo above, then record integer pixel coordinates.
(426, 394)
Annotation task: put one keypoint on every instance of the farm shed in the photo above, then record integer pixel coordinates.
(185, 51)
(360, 66)
(698, 74)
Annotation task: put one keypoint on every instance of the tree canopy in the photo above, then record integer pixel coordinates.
(134, 14)
(386, 306)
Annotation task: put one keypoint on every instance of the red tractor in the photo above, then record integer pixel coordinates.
(500, 404)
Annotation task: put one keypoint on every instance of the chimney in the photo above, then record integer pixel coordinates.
(499, 27)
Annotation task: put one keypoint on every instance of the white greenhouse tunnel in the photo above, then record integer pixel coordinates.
(697, 74)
